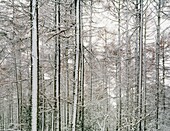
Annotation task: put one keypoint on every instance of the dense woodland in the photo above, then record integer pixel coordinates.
(85, 65)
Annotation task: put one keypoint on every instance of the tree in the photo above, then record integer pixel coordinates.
(140, 64)
(84, 65)
(57, 73)
(157, 66)
(76, 79)
(35, 73)
(119, 69)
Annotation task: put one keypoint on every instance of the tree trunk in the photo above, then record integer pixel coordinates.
(15, 66)
(144, 76)
(163, 83)
(67, 88)
(30, 90)
(56, 117)
(157, 66)
(76, 79)
(140, 63)
(82, 89)
(90, 42)
(119, 69)
(127, 68)
(59, 69)
(35, 63)
(137, 66)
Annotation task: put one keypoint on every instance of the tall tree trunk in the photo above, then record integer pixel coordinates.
(117, 102)
(76, 79)
(56, 117)
(90, 42)
(30, 90)
(11, 112)
(163, 83)
(43, 114)
(119, 68)
(59, 69)
(127, 68)
(15, 66)
(35, 64)
(144, 76)
(137, 66)
(67, 88)
(157, 66)
(140, 63)
(82, 89)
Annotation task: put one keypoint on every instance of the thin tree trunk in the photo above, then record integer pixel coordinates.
(105, 79)
(117, 102)
(43, 102)
(35, 63)
(30, 90)
(67, 88)
(140, 63)
(144, 75)
(157, 65)
(163, 83)
(38, 68)
(59, 69)
(90, 42)
(18, 60)
(137, 66)
(119, 69)
(127, 68)
(15, 67)
(56, 118)
(11, 107)
(82, 90)
(76, 79)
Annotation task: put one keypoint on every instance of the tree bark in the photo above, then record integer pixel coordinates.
(157, 66)
(145, 75)
(137, 65)
(35, 63)
(119, 69)
(90, 42)
(76, 79)
(140, 64)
